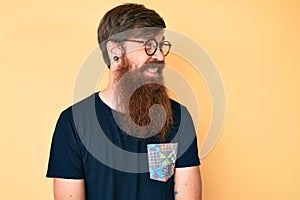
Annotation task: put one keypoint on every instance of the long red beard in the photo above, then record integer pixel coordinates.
(136, 98)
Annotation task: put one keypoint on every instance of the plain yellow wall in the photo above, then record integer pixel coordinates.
(254, 44)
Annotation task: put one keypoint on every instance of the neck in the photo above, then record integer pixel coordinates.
(107, 93)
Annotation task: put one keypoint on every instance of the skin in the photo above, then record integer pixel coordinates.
(187, 180)
(188, 183)
(65, 189)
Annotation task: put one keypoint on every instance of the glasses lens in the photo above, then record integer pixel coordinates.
(150, 47)
(165, 47)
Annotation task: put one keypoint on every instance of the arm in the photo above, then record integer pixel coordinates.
(188, 183)
(66, 189)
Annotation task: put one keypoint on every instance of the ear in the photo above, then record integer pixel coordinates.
(113, 49)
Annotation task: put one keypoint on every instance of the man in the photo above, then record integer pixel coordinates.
(103, 157)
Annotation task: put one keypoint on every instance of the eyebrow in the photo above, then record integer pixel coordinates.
(162, 40)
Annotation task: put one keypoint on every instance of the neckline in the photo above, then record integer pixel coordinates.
(106, 107)
(98, 98)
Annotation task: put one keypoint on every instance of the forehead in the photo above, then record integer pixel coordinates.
(158, 37)
(143, 33)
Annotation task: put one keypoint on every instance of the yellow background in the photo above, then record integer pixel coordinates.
(254, 44)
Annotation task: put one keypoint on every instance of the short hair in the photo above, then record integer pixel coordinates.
(123, 18)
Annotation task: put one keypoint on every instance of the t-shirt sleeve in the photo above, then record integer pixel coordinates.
(187, 147)
(65, 159)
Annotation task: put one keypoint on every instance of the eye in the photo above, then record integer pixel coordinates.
(165, 47)
(151, 46)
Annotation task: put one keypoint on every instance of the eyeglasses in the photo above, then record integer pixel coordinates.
(151, 46)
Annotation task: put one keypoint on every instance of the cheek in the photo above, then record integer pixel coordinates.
(142, 60)
(138, 59)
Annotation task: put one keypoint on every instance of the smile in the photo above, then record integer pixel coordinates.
(152, 70)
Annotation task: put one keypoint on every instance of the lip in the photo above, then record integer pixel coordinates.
(153, 70)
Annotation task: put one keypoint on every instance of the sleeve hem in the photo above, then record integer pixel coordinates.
(63, 176)
(189, 165)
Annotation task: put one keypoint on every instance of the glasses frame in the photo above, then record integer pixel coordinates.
(167, 43)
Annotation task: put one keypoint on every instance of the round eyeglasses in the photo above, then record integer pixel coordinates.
(152, 45)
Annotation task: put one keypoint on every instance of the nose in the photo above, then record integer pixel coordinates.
(158, 55)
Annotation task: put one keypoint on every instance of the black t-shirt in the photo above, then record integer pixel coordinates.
(78, 152)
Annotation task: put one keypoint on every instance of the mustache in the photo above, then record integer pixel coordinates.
(156, 62)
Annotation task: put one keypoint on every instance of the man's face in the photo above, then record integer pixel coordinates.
(136, 55)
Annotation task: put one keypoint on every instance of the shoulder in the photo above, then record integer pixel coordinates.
(81, 105)
(176, 106)
(180, 112)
